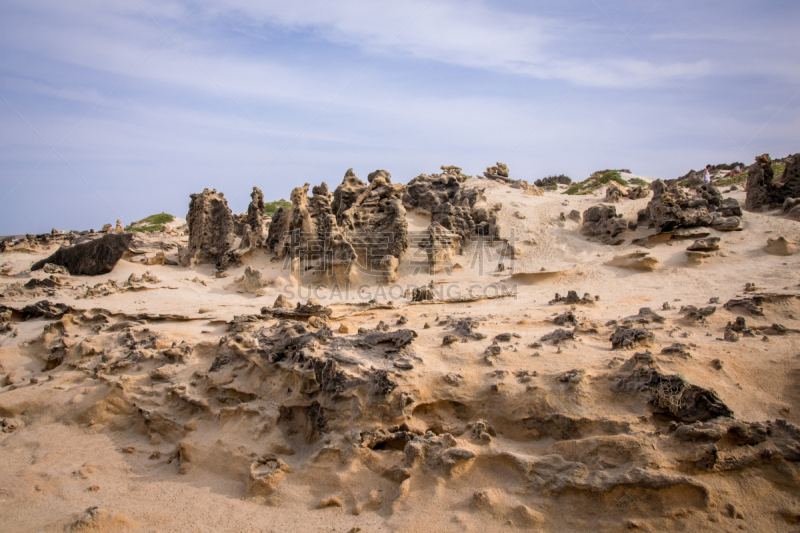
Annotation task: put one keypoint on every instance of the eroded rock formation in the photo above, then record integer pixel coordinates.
(602, 222)
(672, 207)
(359, 227)
(764, 189)
(211, 233)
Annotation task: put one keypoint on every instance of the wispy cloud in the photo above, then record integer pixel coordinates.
(462, 84)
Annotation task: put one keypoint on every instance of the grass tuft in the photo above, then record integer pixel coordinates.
(151, 223)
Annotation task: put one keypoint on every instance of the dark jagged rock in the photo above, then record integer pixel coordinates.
(211, 231)
(764, 189)
(303, 311)
(645, 316)
(739, 326)
(397, 339)
(751, 304)
(567, 317)
(559, 336)
(92, 258)
(463, 328)
(691, 312)
(44, 309)
(670, 395)
(421, 294)
(672, 208)
(676, 348)
(572, 298)
(601, 221)
(630, 338)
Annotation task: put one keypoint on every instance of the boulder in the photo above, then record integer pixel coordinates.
(91, 258)
(601, 221)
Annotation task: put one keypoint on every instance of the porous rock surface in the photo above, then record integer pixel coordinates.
(764, 189)
(211, 232)
(672, 207)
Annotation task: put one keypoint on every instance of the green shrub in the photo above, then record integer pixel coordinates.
(271, 207)
(145, 229)
(151, 223)
(639, 181)
(730, 180)
(550, 187)
(595, 181)
(777, 170)
(161, 218)
(612, 175)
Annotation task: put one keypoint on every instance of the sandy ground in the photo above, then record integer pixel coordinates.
(166, 445)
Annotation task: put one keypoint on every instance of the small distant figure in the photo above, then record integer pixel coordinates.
(735, 171)
(707, 174)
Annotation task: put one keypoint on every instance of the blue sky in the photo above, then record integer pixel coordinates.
(122, 109)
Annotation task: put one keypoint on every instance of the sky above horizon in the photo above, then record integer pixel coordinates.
(123, 109)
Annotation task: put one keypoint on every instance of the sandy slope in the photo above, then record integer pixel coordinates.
(165, 445)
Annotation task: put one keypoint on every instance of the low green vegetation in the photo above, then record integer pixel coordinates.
(612, 175)
(777, 170)
(550, 187)
(595, 181)
(271, 207)
(639, 181)
(731, 180)
(151, 223)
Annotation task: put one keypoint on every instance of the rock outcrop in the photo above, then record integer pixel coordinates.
(499, 173)
(255, 218)
(672, 207)
(764, 189)
(602, 222)
(91, 258)
(454, 209)
(361, 226)
(211, 233)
